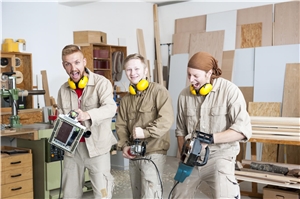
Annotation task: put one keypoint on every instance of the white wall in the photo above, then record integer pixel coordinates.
(48, 26)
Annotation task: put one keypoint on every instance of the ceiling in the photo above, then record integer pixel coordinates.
(81, 2)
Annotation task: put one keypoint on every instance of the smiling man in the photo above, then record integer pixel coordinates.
(216, 106)
(144, 114)
(91, 96)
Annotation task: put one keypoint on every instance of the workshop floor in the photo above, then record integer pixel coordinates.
(123, 190)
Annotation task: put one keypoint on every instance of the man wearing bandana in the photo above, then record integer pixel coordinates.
(216, 106)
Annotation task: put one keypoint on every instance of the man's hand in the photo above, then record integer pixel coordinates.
(82, 116)
(138, 133)
(126, 153)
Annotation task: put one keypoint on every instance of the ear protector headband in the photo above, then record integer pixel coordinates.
(204, 90)
(141, 86)
(81, 84)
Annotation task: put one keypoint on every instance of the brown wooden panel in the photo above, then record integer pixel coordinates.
(251, 35)
(263, 14)
(211, 42)
(287, 23)
(227, 64)
(181, 43)
(248, 94)
(190, 24)
(291, 108)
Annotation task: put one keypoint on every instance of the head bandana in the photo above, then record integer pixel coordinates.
(204, 61)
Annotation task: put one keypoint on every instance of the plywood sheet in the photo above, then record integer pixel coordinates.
(251, 35)
(270, 63)
(287, 23)
(263, 14)
(190, 24)
(211, 42)
(291, 108)
(291, 91)
(243, 67)
(227, 64)
(181, 43)
(223, 21)
(248, 94)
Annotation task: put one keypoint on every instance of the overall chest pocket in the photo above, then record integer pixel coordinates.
(191, 115)
(219, 120)
(91, 102)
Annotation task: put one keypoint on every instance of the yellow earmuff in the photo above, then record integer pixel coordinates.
(204, 90)
(141, 86)
(81, 84)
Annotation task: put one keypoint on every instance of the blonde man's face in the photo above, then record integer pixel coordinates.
(74, 65)
(135, 71)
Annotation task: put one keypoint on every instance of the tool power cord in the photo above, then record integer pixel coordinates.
(173, 189)
(162, 190)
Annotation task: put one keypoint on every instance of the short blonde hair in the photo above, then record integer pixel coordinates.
(134, 56)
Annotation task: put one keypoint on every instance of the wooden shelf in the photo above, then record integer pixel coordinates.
(103, 53)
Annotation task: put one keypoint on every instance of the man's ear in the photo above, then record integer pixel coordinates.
(84, 62)
(146, 71)
(209, 73)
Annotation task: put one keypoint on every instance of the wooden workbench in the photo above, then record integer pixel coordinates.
(29, 132)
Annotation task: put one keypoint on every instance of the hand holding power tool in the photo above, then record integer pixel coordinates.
(190, 154)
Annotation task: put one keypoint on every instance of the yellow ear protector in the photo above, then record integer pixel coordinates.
(81, 84)
(141, 86)
(204, 90)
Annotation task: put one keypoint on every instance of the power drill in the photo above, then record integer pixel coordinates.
(137, 148)
(190, 153)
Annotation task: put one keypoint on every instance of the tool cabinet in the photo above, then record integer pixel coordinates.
(16, 174)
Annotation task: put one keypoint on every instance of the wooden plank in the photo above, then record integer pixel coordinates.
(286, 23)
(46, 88)
(142, 49)
(157, 45)
(190, 24)
(251, 35)
(290, 166)
(259, 14)
(211, 42)
(227, 64)
(276, 121)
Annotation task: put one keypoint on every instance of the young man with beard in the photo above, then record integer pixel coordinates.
(146, 113)
(91, 96)
(215, 106)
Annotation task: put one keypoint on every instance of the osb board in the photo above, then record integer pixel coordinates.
(270, 109)
(263, 14)
(227, 64)
(190, 24)
(287, 23)
(291, 108)
(181, 43)
(211, 42)
(27, 117)
(223, 21)
(251, 35)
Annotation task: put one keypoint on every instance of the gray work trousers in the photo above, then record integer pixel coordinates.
(145, 183)
(218, 173)
(99, 172)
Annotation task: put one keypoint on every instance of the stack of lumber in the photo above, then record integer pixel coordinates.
(282, 130)
(277, 130)
(290, 180)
